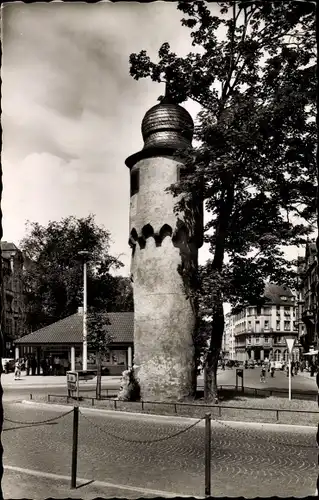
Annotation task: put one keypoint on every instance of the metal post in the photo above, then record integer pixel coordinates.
(205, 383)
(208, 455)
(289, 367)
(85, 354)
(75, 446)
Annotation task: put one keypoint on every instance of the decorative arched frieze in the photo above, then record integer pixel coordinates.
(165, 230)
(147, 231)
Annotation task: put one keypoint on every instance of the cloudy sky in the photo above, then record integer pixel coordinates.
(71, 111)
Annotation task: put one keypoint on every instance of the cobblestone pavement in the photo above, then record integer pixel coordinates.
(246, 461)
(279, 381)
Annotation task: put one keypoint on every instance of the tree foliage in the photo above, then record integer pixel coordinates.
(99, 339)
(254, 76)
(53, 275)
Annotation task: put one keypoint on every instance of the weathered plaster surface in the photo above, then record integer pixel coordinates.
(164, 322)
(152, 205)
(164, 318)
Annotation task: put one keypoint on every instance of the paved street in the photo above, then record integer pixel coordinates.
(247, 460)
(301, 382)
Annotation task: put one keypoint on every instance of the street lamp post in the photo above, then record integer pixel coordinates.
(290, 344)
(85, 254)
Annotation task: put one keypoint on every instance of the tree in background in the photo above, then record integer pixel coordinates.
(53, 275)
(254, 76)
(99, 339)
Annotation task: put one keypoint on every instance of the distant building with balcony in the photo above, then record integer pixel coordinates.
(13, 318)
(260, 331)
(228, 344)
(308, 279)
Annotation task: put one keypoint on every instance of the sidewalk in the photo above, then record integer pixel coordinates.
(27, 381)
(24, 483)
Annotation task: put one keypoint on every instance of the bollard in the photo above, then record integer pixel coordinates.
(92, 401)
(277, 415)
(175, 407)
(208, 454)
(114, 404)
(75, 446)
(219, 411)
(30, 396)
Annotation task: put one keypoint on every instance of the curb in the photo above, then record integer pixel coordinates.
(81, 482)
(177, 419)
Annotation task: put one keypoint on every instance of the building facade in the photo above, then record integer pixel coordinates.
(308, 279)
(164, 257)
(13, 296)
(64, 339)
(260, 331)
(228, 344)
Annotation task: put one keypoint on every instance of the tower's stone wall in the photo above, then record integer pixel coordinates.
(164, 259)
(152, 204)
(164, 323)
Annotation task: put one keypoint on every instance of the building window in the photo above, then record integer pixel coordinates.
(257, 340)
(277, 355)
(266, 340)
(278, 310)
(135, 181)
(285, 355)
(266, 325)
(258, 310)
(267, 310)
(295, 325)
(277, 325)
(249, 339)
(287, 326)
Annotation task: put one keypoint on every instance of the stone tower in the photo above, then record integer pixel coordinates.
(164, 257)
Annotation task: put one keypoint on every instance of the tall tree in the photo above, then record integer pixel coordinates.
(99, 339)
(53, 274)
(256, 136)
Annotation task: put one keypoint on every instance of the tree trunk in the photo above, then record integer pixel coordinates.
(211, 364)
(98, 375)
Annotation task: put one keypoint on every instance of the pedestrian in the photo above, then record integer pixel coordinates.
(287, 370)
(56, 365)
(43, 366)
(22, 363)
(263, 374)
(33, 365)
(17, 371)
(27, 366)
(312, 370)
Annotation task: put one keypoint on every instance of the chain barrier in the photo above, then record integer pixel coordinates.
(267, 439)
(264, 439)
(38, 422)
(142, 441)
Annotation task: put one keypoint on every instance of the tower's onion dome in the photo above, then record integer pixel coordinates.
(167, 125)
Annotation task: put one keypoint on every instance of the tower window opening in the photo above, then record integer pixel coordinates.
(135, 181)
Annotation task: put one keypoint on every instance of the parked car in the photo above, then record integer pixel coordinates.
(279, 365)
(251, 363)
(8, 365)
